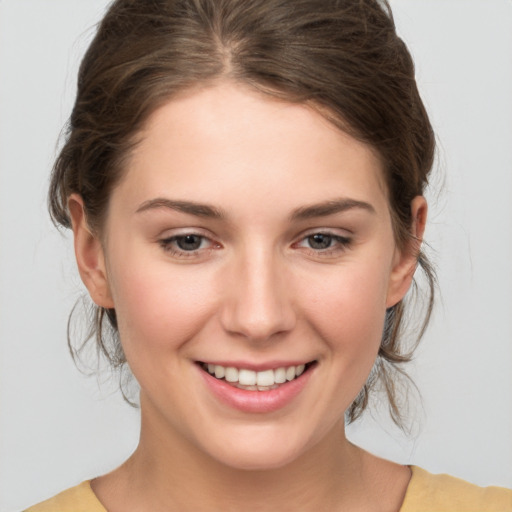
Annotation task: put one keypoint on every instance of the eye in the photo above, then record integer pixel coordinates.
(189, 242)
(186, 245)
(324, 243)
(320, 241)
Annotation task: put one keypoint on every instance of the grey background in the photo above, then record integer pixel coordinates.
(58, 427)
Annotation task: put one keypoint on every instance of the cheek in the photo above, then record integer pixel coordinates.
(349, 314)
(158, 309)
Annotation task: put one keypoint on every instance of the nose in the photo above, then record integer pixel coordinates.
(257, 303)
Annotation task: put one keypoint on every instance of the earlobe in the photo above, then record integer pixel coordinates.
(406, 260)
(89, 255)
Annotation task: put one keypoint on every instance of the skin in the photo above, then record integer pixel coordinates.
(256, 290)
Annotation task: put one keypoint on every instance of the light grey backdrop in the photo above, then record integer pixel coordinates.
(57, 428)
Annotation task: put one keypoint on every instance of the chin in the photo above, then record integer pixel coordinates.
(257, 460)
(260, 449)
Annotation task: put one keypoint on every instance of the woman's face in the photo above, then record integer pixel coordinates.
(248, 237)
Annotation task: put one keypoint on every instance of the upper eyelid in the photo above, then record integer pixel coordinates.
(173, 233)
(339, 238)
(335, 232)
(174, 237)
(170, 246)
(169, 233)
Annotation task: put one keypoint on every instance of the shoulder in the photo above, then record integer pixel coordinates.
(77, 499)
(436, 493)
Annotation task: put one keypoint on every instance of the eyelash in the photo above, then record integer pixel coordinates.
(170, 245)
(337, 244)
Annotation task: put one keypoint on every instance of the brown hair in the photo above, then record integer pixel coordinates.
(341, 56)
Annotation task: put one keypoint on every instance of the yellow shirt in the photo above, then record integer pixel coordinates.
(425, 493)
(444, 493)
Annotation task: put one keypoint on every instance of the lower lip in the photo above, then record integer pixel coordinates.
(256, 401)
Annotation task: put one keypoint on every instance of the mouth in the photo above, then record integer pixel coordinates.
(251, 380)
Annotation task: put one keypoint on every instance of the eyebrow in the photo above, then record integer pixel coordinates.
(322, 209)
(331, 207)
(192, 208)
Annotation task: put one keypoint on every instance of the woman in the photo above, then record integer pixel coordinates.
(245, 187)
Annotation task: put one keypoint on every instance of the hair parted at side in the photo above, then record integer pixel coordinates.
(342, 57)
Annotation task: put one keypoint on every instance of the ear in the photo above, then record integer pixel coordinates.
(89, 255)
(406, 260)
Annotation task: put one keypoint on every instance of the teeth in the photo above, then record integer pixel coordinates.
(231, 374)
(265, 378)
(247, 388)
(290, 373)
(219, 371)
(280, 375)
(247, 377)
(251, 380)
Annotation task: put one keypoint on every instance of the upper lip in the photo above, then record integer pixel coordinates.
(258, 367)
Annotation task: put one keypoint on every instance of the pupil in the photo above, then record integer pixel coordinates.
(189, 242)
(320, 241)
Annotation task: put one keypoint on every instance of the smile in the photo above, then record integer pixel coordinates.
(256, 388)
(251, 380)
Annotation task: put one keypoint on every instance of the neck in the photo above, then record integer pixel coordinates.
(176, 472)
(169, 472)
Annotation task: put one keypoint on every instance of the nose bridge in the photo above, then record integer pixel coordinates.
(259, 304)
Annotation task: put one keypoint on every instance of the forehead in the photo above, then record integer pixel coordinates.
(230, 143)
